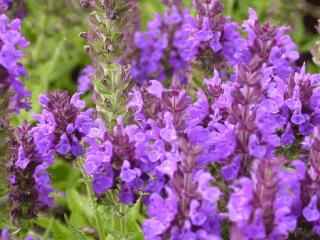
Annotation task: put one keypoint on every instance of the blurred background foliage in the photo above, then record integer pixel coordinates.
(54, 60)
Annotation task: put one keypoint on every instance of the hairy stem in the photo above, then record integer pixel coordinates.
(93, 203)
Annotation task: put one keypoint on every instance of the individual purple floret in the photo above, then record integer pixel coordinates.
(4, 234)
(29, 181)
(187, 207)
(84, 80)
(62, 124)
(267, 205)
(11, 45)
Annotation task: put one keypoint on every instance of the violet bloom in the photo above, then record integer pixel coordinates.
(12, 43)
(244, 122)
(310, 186)
(177, 40)
(219, 43)
(29, 180)
(113, 157)
(98, 159)
(271, 46)
(301, 106)
(84, 80)
(4, 234)
(251, 106)
(186, 207)
(4, 5)
(166, 48)
(156, 101)
(265, 206)
(62, 124)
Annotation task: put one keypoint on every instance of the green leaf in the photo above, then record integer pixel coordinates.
(77, 234)
(81, 214)
(57, 230)
(64, 175)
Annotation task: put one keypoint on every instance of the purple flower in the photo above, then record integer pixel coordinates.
(301, 102)
(114, 157)
(218, 35)
(4, 234)
(198, 111)
(127, 174)
(252, 118)
(161, 220)
(270, 45)
(255, 149)
(310, 189)
(62, 124)
(264, 205)
(84, 80)
(168, 133)
(231, 171)
(158, 45)
(29, 180)
(103, 179)
(22, 161)
(187, 205)
(12, 43)
(220, 144)
(311, 212)
(288, 137)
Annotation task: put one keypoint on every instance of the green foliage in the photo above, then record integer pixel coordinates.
(111, 100)
(77, 234)
(55, 55)
(109, 28)
(55, 229)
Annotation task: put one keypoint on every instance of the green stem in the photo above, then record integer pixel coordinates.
(93, 204)
(230, 5)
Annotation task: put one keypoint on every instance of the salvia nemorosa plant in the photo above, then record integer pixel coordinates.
(188, 202)
(62, 124)
(234, 156)
(113, 162)
(219, 44)
(29, 180)
(267, 204)
(13, 95)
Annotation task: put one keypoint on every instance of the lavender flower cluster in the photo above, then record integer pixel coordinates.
(11, 45)
(220, 155)
(62, 124)
(256, 105)
(238, 156)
